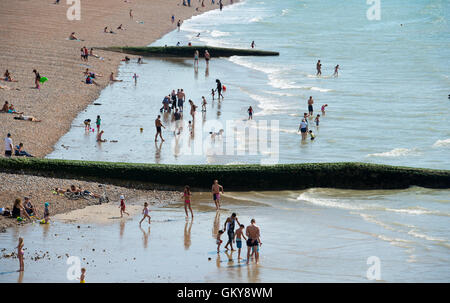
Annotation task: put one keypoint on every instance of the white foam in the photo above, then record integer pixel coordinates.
(216, 33)
(396, 152)
(442, 143)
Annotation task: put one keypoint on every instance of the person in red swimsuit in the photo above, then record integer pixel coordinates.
(122, 206)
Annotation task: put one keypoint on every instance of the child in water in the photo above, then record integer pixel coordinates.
(122, 206)
(212, 93)
(46, 213)
(187, 200)
(218, 242)
(203, 104)
(145, 212)
(317, 120)
(20, 253)
(312, 135)
(238, 238)
(323, 108)
(83, 274)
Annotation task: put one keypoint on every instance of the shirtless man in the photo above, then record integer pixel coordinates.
(310, 106)
(216, 189)
(158, 126)
(113, 79)
(319, 68)
(253, 234)
(99, 137)
(181, 98)
(229, 226)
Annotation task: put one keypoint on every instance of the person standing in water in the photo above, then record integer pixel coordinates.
(158, 126)
(207, 57)
(98, 123)
(20, 254)
(238, 238)
(310, 106)
(219, 89)
(229, 227)
(254, 241)
(122, 206)
(196, 54)
(179, 24)
(216, 190)
(253, 44)
(336, 71)
(187, 200)
(145, 212)
(250, 113)
(319, 68)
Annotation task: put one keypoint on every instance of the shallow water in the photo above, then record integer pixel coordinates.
(388, 105)
(318, 235)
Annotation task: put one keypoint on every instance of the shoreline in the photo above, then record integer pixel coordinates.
(48, 50)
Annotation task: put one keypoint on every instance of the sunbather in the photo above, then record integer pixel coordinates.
(27, 118)
(19, 151)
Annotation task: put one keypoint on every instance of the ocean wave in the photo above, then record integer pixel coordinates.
(216, 33)
(442, 143)
(396, 152)
(267, 69)
(255, 19)
(284, 12)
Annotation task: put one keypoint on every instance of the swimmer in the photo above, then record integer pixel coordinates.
(187, 200)
(253, 44)
(145, 213)
(216, 189)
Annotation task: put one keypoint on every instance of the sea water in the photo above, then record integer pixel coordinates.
(388, 105)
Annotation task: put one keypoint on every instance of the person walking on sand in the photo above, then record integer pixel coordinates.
(319, 68)
(131, 14)
(37, 78)
(158, 126)
(310, 106)
(216, 190)
(336, 71)
(9, 146)
(229, 227)
(122, 206)
(187, 200)
(254, 241)
(193, 109)
(20, 254)
(238, 238)
(145, 212)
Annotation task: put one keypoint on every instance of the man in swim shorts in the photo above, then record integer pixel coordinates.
(310, 106)
(253, 234)
(158, 126)
(216, 189)
(229, 226)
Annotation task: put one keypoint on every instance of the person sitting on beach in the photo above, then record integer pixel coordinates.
(5, 107)
(12, 110)
(113, 79)
(93, 75)
(88, 193)
(27, 118)
(91, 53)
(72, 36)
(121, 27)
(29, 208)
(19, 151)
(89, 80)
(8, 78)
(126, 59)
(18, 210)
(99, 137)
(74, 189)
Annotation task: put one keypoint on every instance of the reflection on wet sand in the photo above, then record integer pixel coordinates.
(122, 228)
(216, 225)
(20, 278)
(158, 152)
(145, 236)
(187, 234)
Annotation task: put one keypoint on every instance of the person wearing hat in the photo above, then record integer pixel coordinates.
(9, 147)
(122, 206)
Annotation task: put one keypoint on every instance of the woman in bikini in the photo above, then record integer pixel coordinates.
(187, 200)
